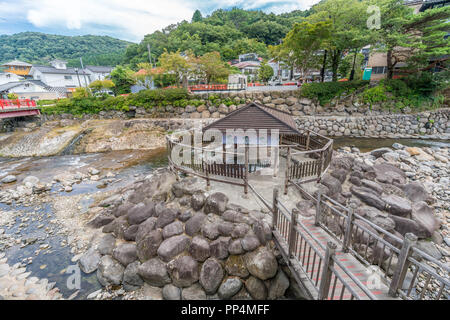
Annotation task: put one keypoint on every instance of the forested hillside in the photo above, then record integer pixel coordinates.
(35, 47)
(230, 32)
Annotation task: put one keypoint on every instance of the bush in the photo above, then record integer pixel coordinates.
(157, 97)
(326, 91)
(374, 95)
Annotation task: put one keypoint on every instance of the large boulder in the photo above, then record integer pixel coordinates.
(250, 243)
(130, 233)
(210, 230)
(117, 227)
(219, 247)
(140, 212)
(216, 203)
(194, 292)
(199, 249)
(154, 272)
(424, 216)
(131, 278)
(397, 205)
(229, 288)
(278, 286)
(262, 231)
(170, 292)
(235, 266)
(166, 217)
(184, 271)
(123, 209)
(388, 173)
(405, 225)
(378, 217)
(372, 185)
(198, 200)
(147, 246)
(173, 246)
(334, 185)
(145, 228)
(211, 275)
(109, 272)
(173, 229)
(368, 197)
(261, 263)
(416, 192)
(379, 152)
(89, 261)
(125, 253)
(194, 224)
(106, 244)
(256, 288)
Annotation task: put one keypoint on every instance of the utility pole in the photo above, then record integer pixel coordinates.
(82, 68)
(150, 55)
(76, 71)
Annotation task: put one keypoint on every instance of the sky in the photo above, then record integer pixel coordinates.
(124, 19)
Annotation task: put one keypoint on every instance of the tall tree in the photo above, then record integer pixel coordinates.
(122, 78)
(212, 67)
(197, 17)
(179, 65)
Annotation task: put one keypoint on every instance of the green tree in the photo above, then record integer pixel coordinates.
(123, 79)
(212, 67)
(265, 72)
(178, 65)
(351, 62)
(197, 17)
(99, 85)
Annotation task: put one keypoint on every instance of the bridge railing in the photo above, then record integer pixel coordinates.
(16, 103)
(298, 245)
(399, 262)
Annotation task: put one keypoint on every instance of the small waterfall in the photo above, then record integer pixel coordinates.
(69, 149)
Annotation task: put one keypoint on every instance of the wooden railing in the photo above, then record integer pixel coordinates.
(382, 248)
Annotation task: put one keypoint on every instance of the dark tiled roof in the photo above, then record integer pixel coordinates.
(17, 63)
(47, 69)
(256, 116)
(99, 69)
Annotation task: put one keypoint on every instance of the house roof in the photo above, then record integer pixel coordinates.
(10, 85)
(48, 69)
(17, 63)
(99, 69)
(244, 64)
(256, 116)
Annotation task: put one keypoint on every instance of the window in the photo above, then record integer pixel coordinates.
(68, 77)
(378, 70)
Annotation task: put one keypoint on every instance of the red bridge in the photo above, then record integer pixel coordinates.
(18, 108)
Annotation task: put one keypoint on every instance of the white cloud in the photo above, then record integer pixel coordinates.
(130, 19)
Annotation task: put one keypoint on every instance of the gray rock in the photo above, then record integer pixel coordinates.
(123, 209)
(368, 197)
(131, 278)
(194, 292)
(424, 216)
(99, 221)
(416, 192)
(130, 233)
(334, 185)
(140, 212)
(216, 203)
(219, 247)
(199, 249)
(429, 248)
(147, 247)
(184, 271)
(107, 244)
(198, 200)
(89, 261)
(262, 231)
(278, 286)
(9, 179)
(194, 224)
(117, 227)
(110, 271)
(261, 263)
(185, 216)
(210, 230)
(250, 243)
(229, 288)
(372, 185)
(397, 205)
(256, 288)
(225, 228)
(154, 272)
(405, 225)
(235, 247)
(211, 275)
(240, 230)
(173, 246)
(145, 228)
(173, 229)
(125, 253)
(166, 217)
(170, 292)
(379, 152)
(390, 174)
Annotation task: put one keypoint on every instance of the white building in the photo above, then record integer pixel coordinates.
(6, 77)
(30, 89)
(98, 72)
(58, 75)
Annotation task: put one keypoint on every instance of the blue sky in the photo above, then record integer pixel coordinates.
(123, 19)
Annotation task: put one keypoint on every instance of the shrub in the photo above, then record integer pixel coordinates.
(374, 95)
(326, 91)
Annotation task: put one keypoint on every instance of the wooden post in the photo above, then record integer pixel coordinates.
(398, 277)
(348, 230)
(246, 171)
(319, 174)
(275, 208)
(292, 234)
(317, 217)
(288, 165)
(328, 262)
(307, 141)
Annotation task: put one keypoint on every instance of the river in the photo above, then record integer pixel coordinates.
(49, 254)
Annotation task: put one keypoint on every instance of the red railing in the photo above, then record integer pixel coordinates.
(17, 103)
(208, 87)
